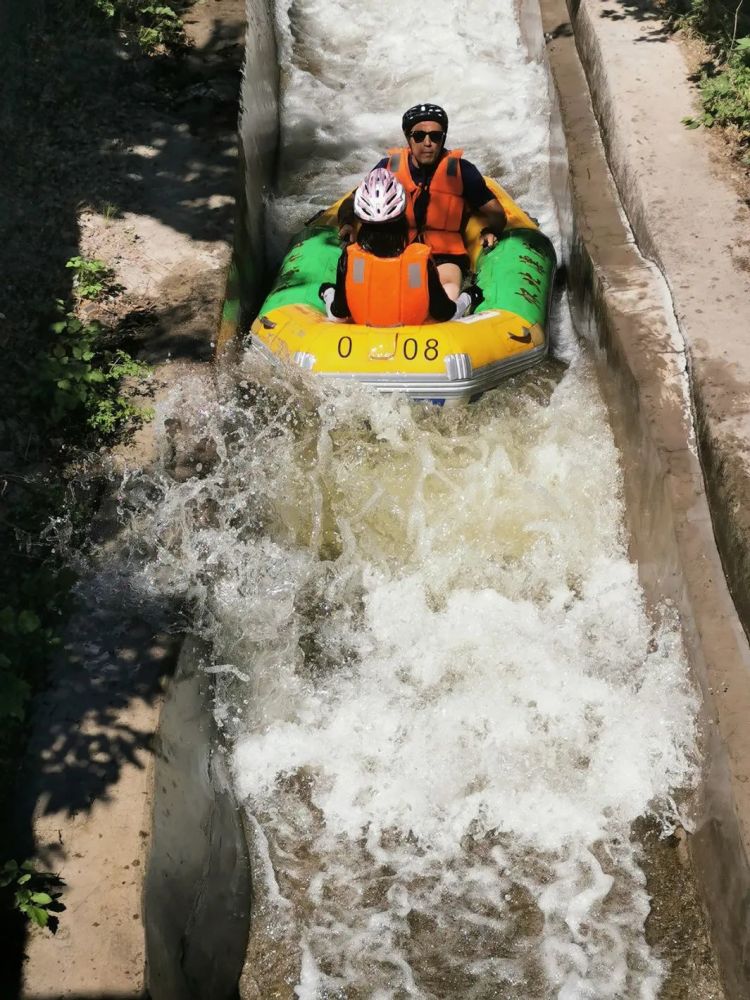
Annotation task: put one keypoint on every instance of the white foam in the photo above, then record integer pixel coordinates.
(457, 705)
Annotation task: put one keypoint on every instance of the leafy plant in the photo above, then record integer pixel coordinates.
(80, 375)
(31, 895)
(91, 277)
(155, 26)
(28, 637)
(105, 7)
(724, 83)
(726, 99)
(16, 628)
(720, 22)
(162, 26)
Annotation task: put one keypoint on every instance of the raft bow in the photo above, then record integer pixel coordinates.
(448, 362)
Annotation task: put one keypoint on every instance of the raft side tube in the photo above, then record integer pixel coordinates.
(456, 360)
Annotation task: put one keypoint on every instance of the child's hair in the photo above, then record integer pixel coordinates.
(384, 239)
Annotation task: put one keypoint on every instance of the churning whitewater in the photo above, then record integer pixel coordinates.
(445, 700)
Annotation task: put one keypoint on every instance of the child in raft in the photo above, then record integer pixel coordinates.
(382, 279)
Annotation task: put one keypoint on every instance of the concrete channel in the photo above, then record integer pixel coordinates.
(646, 379)
(196, 890)
(623, 306)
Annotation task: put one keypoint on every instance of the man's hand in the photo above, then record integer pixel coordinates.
(495, 217)
(346, 233)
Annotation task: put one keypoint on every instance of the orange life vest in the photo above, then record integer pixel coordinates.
(388, 291)
(445, 209)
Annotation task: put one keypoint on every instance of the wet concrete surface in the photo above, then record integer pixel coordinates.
(653, 375)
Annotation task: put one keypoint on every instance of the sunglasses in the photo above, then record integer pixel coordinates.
(419, 135)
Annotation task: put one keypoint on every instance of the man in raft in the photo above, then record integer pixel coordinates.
(442, 189)
(382, 278)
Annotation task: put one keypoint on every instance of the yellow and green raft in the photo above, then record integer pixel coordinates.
(444, 362)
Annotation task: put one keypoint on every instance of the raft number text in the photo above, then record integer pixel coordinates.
(410, 348)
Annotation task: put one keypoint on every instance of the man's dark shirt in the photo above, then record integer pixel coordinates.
(476, 193)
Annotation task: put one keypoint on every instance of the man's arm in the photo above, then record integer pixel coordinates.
(347, 220)
(496, 220)
(480, 199)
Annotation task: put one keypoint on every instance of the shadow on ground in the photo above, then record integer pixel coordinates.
(644, 11)
(718, 21)
(89, 123)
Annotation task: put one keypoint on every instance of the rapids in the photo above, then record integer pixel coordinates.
(445, 701)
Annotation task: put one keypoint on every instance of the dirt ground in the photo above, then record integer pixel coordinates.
(131, 160)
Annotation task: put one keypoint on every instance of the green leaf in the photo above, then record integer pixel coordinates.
(9, 872)
(14, 695)
(691, 122)
(24, 878)
(8, 621)
(28, 622)
(41, 898)
(39, 916)
(63, 383)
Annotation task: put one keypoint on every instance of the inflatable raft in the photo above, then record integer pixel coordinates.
(443, 362)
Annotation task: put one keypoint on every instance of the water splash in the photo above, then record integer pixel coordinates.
(447, 702)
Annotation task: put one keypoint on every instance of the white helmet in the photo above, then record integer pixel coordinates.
(380, 197)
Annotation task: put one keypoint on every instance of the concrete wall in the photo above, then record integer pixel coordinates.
(259, 140)
(623, 306)
(197, 888)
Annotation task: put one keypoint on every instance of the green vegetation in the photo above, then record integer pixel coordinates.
(32, 892)
(92, 277)
(155, 26)
(725, 80)
(77, 376)
(70, 395)
(86, 80)
(109, 211)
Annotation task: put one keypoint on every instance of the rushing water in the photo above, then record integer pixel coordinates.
(446, 702)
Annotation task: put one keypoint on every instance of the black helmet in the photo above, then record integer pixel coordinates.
(424, 113)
